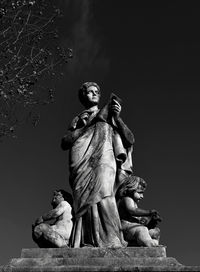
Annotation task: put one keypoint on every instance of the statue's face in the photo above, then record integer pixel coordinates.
(138, 195)
(92, 96)
(57, 198)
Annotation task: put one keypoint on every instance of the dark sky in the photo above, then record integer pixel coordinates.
(150, 57)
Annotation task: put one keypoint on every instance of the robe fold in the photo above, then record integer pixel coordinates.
(95, 160)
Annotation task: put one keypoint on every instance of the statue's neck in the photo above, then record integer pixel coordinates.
(93, 109)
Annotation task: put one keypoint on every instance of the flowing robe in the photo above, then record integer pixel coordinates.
(101, 151)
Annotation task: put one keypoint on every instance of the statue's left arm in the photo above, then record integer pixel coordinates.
(52, 214)
(76, 129)
(70, 137)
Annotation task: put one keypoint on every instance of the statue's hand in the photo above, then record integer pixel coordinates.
(83, 119)
(155, 216)
(115, 108)
(152, 220)
(153, 212)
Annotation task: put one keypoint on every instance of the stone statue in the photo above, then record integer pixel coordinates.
(139, 226)
(58, 233)
(100, 146)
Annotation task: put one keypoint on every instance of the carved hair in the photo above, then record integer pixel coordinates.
(129, 185)
(67, 196)
(83, 89)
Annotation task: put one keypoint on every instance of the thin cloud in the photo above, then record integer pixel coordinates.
(88, 50)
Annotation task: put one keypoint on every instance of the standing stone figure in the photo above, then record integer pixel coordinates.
(58, 233)
(100, 147)
(139, 225)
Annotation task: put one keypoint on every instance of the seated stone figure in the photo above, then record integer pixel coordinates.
(139, 226)
(58, 233)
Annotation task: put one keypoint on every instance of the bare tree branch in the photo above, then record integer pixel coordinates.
(29, 55)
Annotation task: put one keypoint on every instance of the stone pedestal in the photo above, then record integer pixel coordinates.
(95, 259)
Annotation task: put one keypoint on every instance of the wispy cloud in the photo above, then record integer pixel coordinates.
(88, 49)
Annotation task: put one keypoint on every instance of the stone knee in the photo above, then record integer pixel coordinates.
(143, 237)
(155, 233)
(38, 230)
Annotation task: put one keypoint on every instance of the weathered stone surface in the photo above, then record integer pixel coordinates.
(35, 262)
(122, 267)
(131, 252)
(47, 235)
(100, 147)
(95, 259)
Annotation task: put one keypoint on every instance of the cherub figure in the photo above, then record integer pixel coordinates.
(58, 233)
(139, 225)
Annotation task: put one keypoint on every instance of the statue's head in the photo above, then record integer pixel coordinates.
(89, 94)
(61, 195)
(133, 187)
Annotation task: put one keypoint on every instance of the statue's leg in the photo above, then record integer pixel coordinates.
(37, 234)
(155, 233)
(55, 238)
(109, 224)
(45, 236)
(143, 237)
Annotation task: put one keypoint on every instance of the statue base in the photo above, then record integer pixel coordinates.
(95, 259)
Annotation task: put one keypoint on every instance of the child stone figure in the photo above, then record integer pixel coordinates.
(139, 226)
(58, 233)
